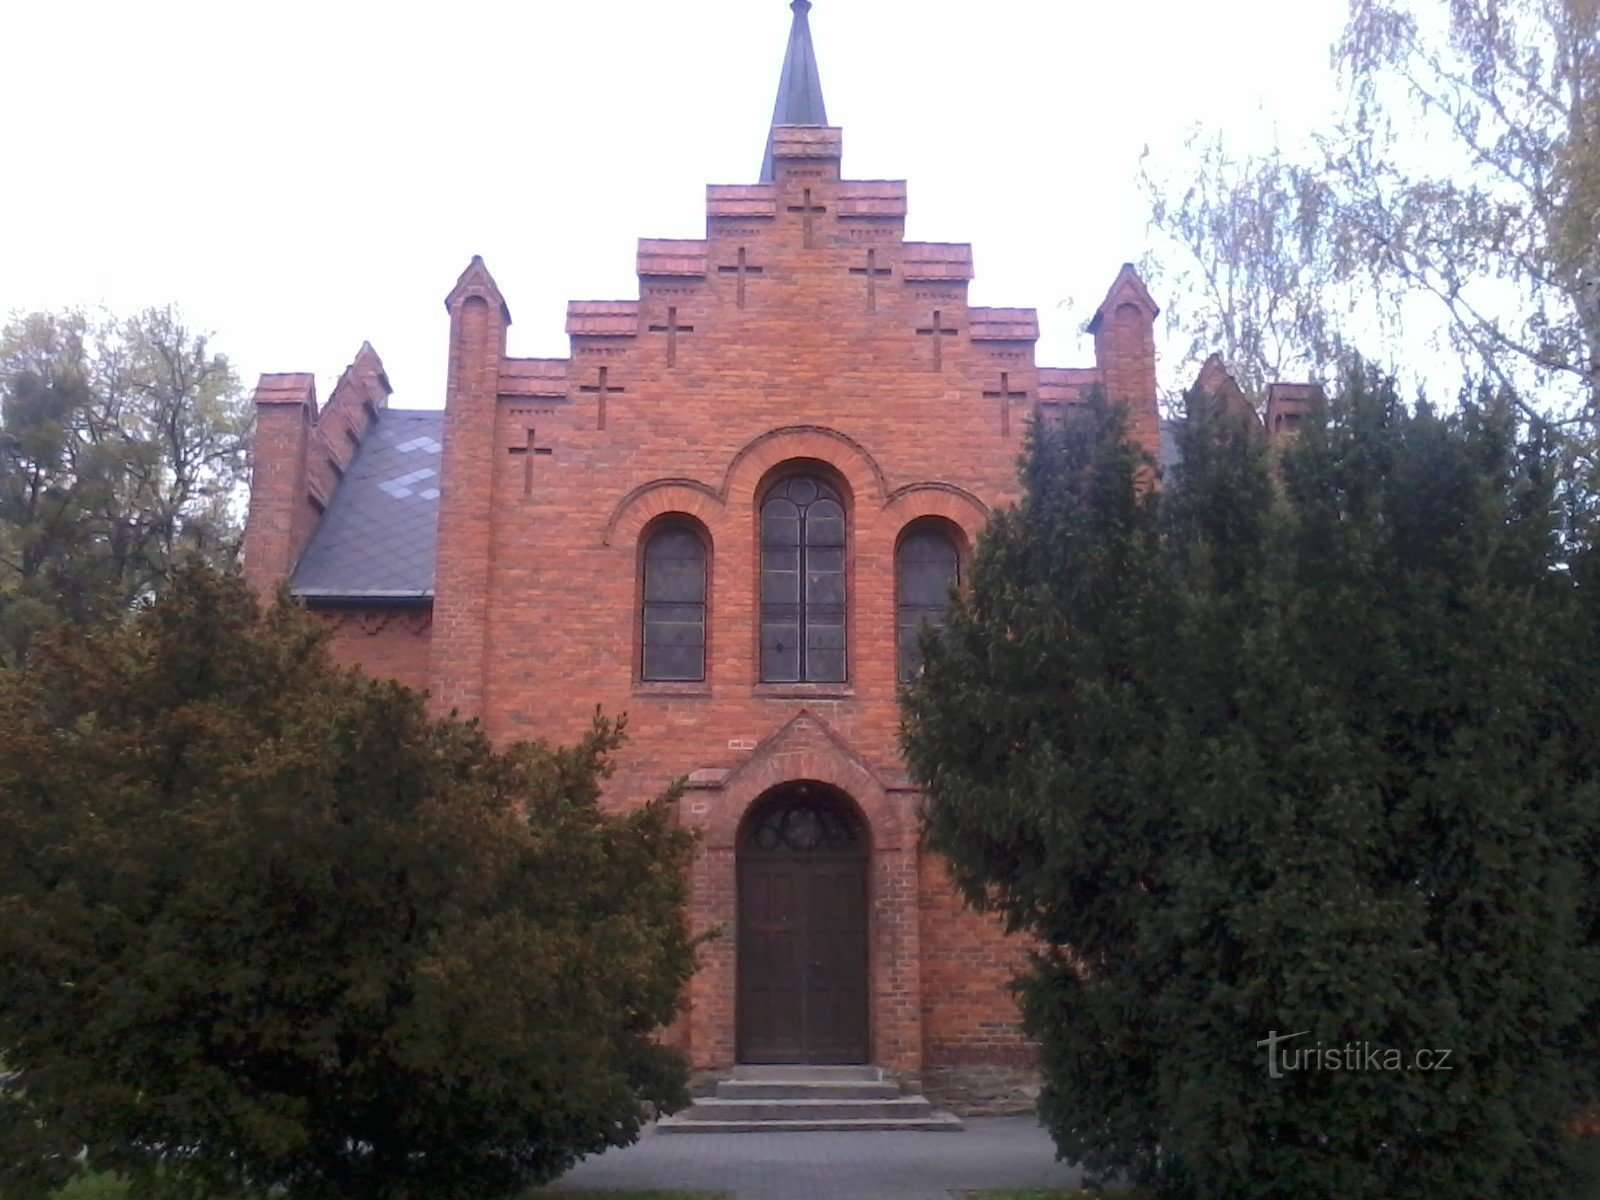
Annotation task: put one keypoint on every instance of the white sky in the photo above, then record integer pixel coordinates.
(298, 177)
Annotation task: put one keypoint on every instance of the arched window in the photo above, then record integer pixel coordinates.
(674, 625)
(927, 566)
(802, 583)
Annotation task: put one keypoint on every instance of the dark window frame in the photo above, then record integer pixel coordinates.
(657, 532)
(910, 613)
(803, 582)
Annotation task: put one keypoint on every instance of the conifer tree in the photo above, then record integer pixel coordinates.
(266, 925)
(1302, 744)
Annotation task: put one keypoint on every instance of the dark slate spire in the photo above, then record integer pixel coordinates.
(800, 89)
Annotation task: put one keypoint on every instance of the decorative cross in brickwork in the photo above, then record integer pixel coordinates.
(672, 329)
(938, 333)
(528, 452)
(873, 272)
(741, 269)
(600, 392)
(811, 212)
(1005, 395)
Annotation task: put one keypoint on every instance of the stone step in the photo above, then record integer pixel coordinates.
(806, 1089)
(813, 1099)
(937, 1122)
(899, 1108)
(791, 1073)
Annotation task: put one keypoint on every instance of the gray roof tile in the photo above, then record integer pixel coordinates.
(377, 539)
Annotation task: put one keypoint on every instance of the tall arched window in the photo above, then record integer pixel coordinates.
(927, 566)
(802, 583)
(674, 624)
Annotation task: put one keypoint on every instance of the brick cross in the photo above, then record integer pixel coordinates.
(938, 333)
(672, 329)
(1005, 395)
(811, 212)
(600, 392)
(873, 272)
(529, 451)
(741, 269)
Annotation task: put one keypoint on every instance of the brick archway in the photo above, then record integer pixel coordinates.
(803, 860)
(651, 500)
(856, 466)
(806, 750)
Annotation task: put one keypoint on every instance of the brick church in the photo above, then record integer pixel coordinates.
(725, 513)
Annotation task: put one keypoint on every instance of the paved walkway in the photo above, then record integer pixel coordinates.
(993, 1152)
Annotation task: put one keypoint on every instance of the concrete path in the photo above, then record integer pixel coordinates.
(993, 1152)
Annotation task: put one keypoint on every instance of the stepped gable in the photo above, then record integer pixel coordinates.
(371, 532)
(805, 259)
(300, 456)
(806, 247)
(544, 378)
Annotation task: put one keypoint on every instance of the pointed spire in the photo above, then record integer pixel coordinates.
(800, 88)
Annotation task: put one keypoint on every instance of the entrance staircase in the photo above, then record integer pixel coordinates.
(807, 1099)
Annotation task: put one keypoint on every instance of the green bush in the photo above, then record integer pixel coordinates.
(93, 1185)
(267, 925)
(1288, 746)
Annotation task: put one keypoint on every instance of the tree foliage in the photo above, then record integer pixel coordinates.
(1304, 742)
(1463, 173)
(122, 450)
(267, 925)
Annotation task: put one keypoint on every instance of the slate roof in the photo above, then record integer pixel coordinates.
(377, 539)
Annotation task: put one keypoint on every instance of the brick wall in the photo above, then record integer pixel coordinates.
(298, 456)
(969, 1016)
(392, 643)
(281, 514)
(802, 333)
(463, 568)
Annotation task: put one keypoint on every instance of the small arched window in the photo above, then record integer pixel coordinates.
(674, 624)
(927, 566)
(802, 583)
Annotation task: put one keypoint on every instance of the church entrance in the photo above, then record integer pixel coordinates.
(802, 990)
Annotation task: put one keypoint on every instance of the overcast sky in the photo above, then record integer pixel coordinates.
(298, 177)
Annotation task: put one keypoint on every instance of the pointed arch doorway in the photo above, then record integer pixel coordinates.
(803, 865)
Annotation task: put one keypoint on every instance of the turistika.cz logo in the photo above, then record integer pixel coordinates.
(1345, 1056)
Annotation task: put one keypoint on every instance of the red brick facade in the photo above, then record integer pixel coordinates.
(392, 642)
(803, 332)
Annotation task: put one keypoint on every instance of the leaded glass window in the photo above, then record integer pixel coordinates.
(802, 583)
(802, 827)
(674, 626)
(927, 566)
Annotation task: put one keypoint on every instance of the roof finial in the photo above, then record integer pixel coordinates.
(800, 87)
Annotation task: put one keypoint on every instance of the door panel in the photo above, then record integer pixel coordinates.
(836, 986)
(802, 958)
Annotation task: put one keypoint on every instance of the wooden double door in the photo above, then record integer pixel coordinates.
(802, 925)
